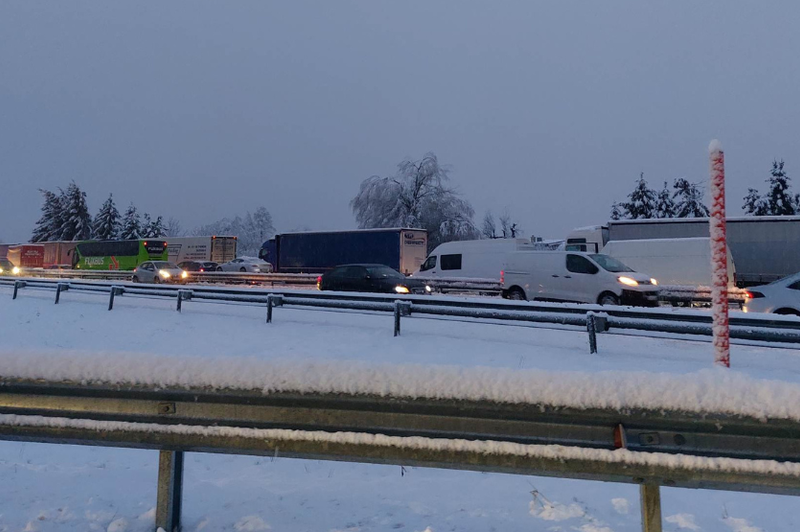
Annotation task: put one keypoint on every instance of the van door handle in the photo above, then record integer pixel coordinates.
(554, 275)
(567, 277)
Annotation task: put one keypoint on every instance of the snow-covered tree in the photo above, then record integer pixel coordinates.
(754, 204)
(665, 206)
(152, 228)
(489, 227)
(106, 224)
(77, 222)
(689, 200)
(415, 197)
(779, 200)
(49, 225)
(252, 230)
(642, 201)
(260, 225)
(618, 211)
(131, 224)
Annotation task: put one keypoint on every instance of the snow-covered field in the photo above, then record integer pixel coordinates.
(82, 488)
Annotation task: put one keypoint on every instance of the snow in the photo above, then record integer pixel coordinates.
(714, 146)
(76, 488)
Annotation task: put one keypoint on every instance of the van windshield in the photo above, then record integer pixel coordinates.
(609, 264)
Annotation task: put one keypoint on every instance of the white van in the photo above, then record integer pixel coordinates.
(474, 259)
(576, 277)
(673, 261)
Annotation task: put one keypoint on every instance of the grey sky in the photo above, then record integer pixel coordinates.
(205, 109)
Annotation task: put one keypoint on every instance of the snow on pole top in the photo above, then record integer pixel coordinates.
(715, 145)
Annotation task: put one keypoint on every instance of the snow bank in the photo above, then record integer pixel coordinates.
(705, 391)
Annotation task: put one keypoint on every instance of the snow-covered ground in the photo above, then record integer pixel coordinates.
(82, 488)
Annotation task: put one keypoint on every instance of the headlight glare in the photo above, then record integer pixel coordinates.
(628, 281)
(401, 289)
(653, 282)
(164, 273)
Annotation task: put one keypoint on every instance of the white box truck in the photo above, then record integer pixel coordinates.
(217, 249)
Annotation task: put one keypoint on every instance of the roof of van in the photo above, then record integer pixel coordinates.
(479, 245)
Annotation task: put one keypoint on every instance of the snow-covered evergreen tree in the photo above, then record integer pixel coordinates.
(77, 222)
(131, 224)
(153, 228)
(49, 225)
(665, 206)
(617, 211)
(642, 201)
(779, 200)
(754, 204)
(106, 225)
(689, 200)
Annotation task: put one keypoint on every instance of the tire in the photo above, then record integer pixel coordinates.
(243, 269)
(607, 298)
(517, 294)
(156, 280)
(219, 268)
(135, 279)
(787, 312)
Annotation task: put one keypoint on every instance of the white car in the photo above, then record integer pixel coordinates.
(779, 297)
(159, 271)
(246, 264)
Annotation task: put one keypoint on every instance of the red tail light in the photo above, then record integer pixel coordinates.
(502, 276)
(752, 295)
(319, 282)
(202, 270)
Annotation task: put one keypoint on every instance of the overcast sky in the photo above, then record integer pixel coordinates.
(201, 110)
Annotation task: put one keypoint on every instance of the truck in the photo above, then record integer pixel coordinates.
(763, 248)
(400, 248)
(58, 254)
(215, 248)
(26, 255)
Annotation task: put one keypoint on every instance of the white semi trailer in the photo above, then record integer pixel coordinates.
(218, 249)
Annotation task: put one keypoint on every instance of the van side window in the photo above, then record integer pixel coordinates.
(451, 262)
(794, 286)
(429, 264)
(578, 264)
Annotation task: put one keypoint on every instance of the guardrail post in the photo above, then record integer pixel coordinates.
(269, 308)
(61, 287)
(401, 308)
(170, 490)
(650, 496)
(183, 295)
(17, 286)
(114, 291)
(591, 328)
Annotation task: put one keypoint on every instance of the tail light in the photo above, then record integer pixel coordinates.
(202, 270)
(752, 295)
(502, 277)
(319, 282)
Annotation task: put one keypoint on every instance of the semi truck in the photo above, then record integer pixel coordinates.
(763, 248)
(403, 249)
(26, 255)
(58, 254)
(217, 249)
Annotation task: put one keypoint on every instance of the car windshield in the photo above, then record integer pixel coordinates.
(384, 272)
(609, 264)
(164, 265)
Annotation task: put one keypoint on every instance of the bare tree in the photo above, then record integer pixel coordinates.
(415, 197)
(489, 228)
(508, 227)
(173, 227)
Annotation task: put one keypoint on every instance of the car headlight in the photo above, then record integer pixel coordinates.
(1, 269)
(184, 275)
(15, 270)
(401, 289)
(428, 288)
(653, 282)
(164, 273)
(628, 281)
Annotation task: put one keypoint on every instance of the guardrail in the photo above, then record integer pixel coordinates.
(642, 446)
(595, 318)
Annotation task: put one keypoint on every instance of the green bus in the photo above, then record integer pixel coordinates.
(117, 254)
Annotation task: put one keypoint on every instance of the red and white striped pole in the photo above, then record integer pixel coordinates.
(719, 257)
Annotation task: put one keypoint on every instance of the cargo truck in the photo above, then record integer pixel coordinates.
(403, 249)
(763, 248)
(58, 254)
(217, 249)
(26, 256)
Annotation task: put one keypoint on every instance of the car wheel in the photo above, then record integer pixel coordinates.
(517, 294)
(135, 279)
(787, 312)
(219, 268)
(243, 269)
(156, 280)
(607, 298)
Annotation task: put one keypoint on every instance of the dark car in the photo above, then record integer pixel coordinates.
(370, 278)
(198, 266)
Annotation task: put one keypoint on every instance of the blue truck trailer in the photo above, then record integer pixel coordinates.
(403, 249)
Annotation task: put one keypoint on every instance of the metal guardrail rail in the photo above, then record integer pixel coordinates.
(631, 446)
(781, 330)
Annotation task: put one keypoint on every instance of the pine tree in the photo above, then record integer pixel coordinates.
(77, 223)
(154, 228)
(665, 205)
(618, 211)
(642, 201)
(145, 226)
(131, 224)
(754, 204)
(779, 200)
(106, 224)
(689, 200)
(49, 225)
